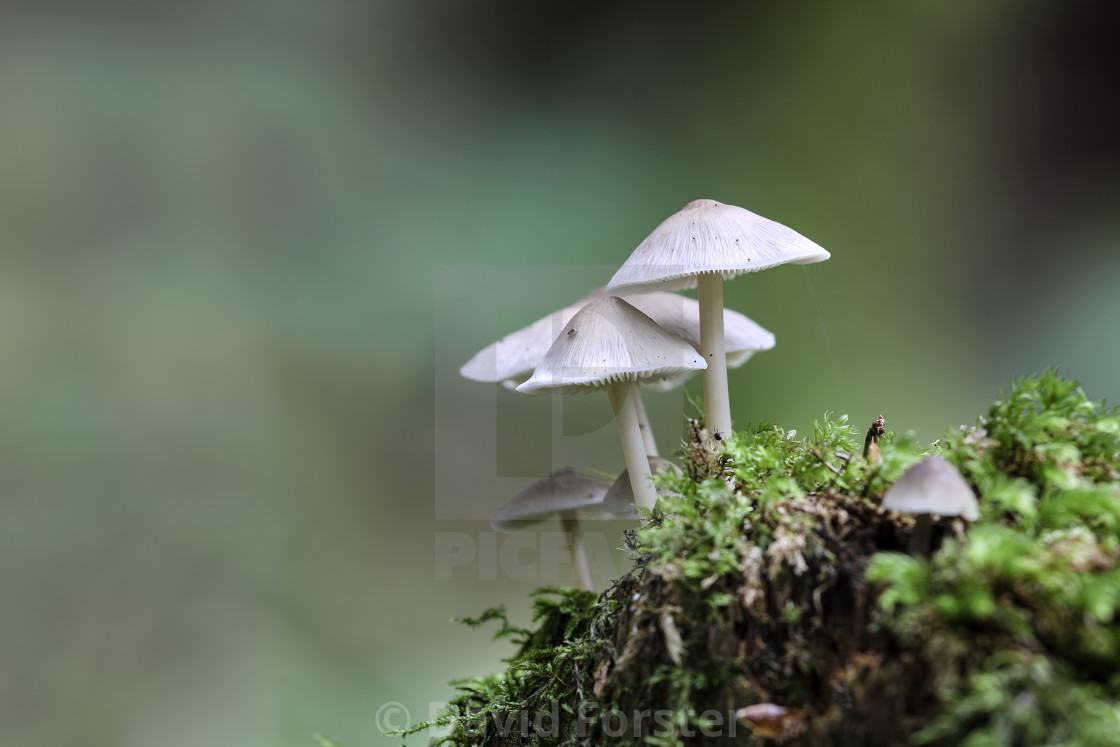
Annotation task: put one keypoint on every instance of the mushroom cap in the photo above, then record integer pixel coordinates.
(681, 316)
(563, 490)
(709, 237)
(514, 357)
(742, 337)
(608, 341)
(618, 503)
(511, 359)
(932, 486)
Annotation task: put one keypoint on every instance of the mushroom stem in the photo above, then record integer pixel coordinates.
(717, 403)
(633, 449)
(580, 572)
(643, 423)
(922, 537)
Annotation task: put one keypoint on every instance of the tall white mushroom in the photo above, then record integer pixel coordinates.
(931, 487)
(608, 345)
(701, 245)
(566, 494)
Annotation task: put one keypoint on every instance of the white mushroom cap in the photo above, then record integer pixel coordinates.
(564, 490)
(610, 341)
(680, 315)
(619, 501)
(709, 237)
(932, 486)
(511, 360)
(514, 357)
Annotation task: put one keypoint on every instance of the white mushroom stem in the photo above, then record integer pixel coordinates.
(581, 574)
(633, 448)
(643, 423)
(717, 403)
(922, 538)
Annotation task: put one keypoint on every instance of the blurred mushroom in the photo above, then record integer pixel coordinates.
(608, 345)
(702, 244)
(931, 487)
(619, 501)
(565, 494)
(771, 721)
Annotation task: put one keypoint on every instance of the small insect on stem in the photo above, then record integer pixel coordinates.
(877, 429)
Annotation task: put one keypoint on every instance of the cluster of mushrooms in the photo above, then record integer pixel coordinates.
(637, 333)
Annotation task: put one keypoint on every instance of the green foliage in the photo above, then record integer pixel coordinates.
(549, 658)
(1019, 611)
(749, 576)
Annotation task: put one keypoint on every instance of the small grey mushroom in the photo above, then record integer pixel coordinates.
(566, 494)
(931, 487)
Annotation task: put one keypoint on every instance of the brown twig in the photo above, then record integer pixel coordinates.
(877, 429)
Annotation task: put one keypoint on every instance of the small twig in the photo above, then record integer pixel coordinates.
(877, 429)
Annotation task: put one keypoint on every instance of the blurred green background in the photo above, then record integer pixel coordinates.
(246, 246)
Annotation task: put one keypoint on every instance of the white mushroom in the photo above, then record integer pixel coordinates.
(607, 345)
(931, 487)
(566, 494)
(511, 360)
(702, 244)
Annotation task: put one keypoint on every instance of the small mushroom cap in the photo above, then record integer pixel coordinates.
(618, 503)
(932, 486)
(709, 237)
(564, 490)
(608, 341)
(769, 720)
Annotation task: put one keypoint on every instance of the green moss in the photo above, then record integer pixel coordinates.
(770, 574)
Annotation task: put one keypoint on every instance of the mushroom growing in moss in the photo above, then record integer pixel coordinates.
(702, 245)
(564, 494)
(931, 487)
(609, 345)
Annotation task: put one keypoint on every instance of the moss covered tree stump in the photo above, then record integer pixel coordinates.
(772, 599)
